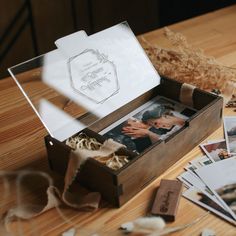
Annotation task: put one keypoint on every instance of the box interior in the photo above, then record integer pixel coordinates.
(168, 88)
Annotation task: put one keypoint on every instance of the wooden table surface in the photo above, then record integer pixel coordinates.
(22, 145)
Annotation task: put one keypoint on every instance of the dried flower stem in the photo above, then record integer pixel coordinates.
(189, 65)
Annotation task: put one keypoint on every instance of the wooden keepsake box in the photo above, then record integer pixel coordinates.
(104, 83)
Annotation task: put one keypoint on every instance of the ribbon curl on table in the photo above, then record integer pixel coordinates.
(88, 202)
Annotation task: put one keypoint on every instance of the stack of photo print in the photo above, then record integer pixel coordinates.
(158, 119)
(211, 179)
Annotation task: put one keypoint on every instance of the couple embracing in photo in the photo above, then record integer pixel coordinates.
(145, 128)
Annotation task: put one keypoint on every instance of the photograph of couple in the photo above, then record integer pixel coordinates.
(156, 120)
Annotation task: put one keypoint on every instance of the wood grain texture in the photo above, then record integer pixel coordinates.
(22, 146)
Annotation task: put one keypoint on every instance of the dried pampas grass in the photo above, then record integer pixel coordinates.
(188, 64)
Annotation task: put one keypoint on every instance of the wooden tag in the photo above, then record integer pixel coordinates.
(167, 199)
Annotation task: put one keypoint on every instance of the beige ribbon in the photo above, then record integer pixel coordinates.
(88, 202)
(186, 94)
(77, 158)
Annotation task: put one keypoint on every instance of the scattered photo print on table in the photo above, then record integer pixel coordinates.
(202, 161)
(206, 161)
(191, 179)
(198, 197)
(194, 180)
(156, 120)
(230, 133)
(216, 151)
(220, 177)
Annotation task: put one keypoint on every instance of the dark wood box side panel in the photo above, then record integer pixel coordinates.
(151, 165)
(202, 99)
(208, 120)
(95, 179)
(171, 89)
(58, 155)
(142, 172)
(164, 155)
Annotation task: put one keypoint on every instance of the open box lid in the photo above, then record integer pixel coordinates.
(70, 92)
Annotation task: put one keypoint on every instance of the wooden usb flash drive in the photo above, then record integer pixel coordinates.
(167, 199)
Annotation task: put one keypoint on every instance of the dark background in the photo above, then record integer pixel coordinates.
(30, 27)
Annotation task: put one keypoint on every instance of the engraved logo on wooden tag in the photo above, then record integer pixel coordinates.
(166, 201)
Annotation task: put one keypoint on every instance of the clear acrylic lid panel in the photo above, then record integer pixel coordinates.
(71, 91)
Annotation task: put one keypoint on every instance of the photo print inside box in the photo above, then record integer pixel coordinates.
(156, 120)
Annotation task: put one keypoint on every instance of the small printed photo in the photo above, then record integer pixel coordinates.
(193, 179)
(200, 161)
(206, 161)
(220, 177)
(227, 194)
(156, 120)
(198, 197)
(230, 133)
(216, 151)
(190, 168)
